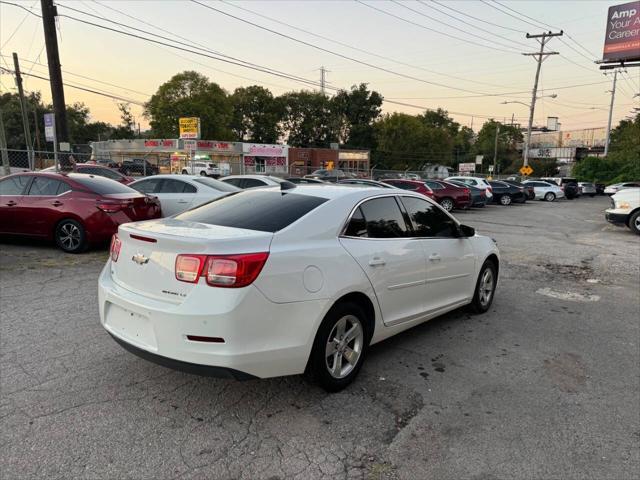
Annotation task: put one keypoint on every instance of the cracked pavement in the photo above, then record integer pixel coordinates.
(542, 386)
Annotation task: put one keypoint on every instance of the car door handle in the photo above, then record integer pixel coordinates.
(57, 203)
(11, 203)
(434, 257)
(377, 262)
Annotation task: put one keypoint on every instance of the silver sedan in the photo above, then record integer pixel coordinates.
(587, 188)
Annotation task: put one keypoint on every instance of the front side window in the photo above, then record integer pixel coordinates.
(384, 218)
(252, 182)
(428, 220)
(14, 185)
(146, 186)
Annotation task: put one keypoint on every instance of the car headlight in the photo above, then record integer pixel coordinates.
(623, 205)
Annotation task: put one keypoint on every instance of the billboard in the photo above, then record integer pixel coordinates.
(622, 40)
(467, 167)
(189, 127)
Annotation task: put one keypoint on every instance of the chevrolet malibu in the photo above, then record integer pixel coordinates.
(282, 281)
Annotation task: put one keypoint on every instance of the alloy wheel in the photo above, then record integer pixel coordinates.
(505, 200)
(344, 346)
(549, 197)
(447, 204)
(636, 223)
(485, 289)
(70, 236)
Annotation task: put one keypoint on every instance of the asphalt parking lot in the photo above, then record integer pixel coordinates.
(544, 386)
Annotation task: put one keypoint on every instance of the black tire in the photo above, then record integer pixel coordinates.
(505, 200)
(203, 173)
(634, 223)
(70, 236)
(549, 197)
(479, 304)
(318, 368)
(184, 172)
(447, 203)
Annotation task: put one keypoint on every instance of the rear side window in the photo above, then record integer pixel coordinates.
(434, 185)
(100, 185)
(357, 225)
(384, 218)
(14, 185)
(44, 186)
(429, 220)
(252, 182)
(233, 181)
(265, 211)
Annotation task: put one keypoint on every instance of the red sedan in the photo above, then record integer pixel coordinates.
(74, 209)
(450, 196)
(93, 169)
(412, 185)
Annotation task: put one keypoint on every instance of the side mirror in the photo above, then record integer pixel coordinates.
(467, 231)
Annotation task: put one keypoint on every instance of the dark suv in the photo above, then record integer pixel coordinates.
(138, 166)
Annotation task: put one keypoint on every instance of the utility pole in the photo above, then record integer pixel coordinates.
(540, 57)
(23, 108)
(495, 149)
(323, 79)
(3, 148)
(613, 96)
(37, 132)
(49, 13)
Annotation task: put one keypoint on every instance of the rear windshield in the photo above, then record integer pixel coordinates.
(216, 184)
(265, 211)
(100, 185)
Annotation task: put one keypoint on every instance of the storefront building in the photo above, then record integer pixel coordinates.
(354, 160)
(265, 158)
(303, 161)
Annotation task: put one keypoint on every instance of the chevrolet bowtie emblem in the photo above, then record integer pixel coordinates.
(140, 259)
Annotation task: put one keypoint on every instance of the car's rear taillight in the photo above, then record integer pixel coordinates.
(111, 206)
(228, 271)
(114, 249)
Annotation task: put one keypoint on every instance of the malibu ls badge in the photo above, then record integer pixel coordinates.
(140, 259)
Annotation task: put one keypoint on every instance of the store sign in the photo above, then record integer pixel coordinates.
(467, 167)
(211, 145)
(264, 150)
(50, 127)
(622, 38)
(189, 127)
(190, 145)
(160, 143)
(479, 159)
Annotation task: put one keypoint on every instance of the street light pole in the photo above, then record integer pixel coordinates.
(495, 150)
(613, 96)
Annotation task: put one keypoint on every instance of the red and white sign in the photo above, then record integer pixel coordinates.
(258, 150)
(211, 145)
(160, 143)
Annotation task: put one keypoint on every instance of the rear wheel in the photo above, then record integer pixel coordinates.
(184, 172)
(634, 223)
(550, 196)
(447, 204)
(70, 236)
(485, 287)
(339, 347)
(505, 200)
(203, 173)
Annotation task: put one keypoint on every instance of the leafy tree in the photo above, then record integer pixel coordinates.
(190, 94)
(256, 115)
(127, 127)
(508, 156)
(440, 119)
(358, 108)
(309, 119)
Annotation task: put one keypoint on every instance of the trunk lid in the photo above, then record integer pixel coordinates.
(146, 263)
(135, 206)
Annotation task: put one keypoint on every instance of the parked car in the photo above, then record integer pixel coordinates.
(478, 195)
(204, 169)
(545, 190)
(600, 188)
(587, 188)
(528, 189)
(475, 182)
(625, 209)
(411, 176)
(449, 195)
(178, 193)
(616, 187)
(411, 186)
(252, 181)
(95, 169)
(305, 181)
(568, 185)
(506, 194)
(283, 283)
(329, 175)
(108, 163)
(365, 182)
(73, 209)
(138, 166)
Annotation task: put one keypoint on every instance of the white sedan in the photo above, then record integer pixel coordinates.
(545, 190)
(178, 193)
(253, 181)
(270, 282)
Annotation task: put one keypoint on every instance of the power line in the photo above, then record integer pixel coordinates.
(18, 26)
(476, 18)
(431, 29)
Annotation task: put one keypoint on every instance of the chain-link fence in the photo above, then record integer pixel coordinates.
(24, 160)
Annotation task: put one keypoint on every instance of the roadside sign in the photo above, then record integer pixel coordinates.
(65, 147)
(467, 167)
(490, 168)
(189, 127)
(190, 145)
(479, 159)
(50, 127)
(526, 170)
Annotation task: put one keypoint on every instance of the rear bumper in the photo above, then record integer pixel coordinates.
(260, 338)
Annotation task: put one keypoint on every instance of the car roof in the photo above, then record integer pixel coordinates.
(174, 176)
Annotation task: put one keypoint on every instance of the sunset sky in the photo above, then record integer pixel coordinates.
(482, 59)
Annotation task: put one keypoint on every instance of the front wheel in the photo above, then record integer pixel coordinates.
(505, 200)
(184, 172)
(447, 204)
(70, 236)
(203, 173)
(550, 197)
(485, 288)
(339, 347)
(634, 223)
